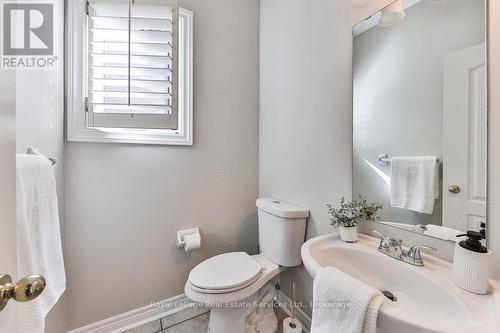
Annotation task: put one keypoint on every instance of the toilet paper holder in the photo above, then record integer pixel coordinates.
(182, 234)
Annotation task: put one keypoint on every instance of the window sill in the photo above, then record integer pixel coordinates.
(143, 137)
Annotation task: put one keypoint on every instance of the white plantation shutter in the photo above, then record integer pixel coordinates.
(132, 65)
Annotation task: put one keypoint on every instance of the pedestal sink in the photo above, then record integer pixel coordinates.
(427, 300)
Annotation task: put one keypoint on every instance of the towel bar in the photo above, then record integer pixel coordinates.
(35, 151)
(384, 159)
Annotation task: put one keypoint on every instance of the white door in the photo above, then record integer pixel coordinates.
(8, 191)
(464, 154)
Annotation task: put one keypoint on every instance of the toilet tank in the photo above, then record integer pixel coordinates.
(282, 228)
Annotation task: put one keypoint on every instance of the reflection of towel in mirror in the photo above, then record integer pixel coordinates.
(415, 183)
(343, 304)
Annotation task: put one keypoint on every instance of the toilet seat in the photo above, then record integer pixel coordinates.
(269, 271)
(225, 273)
(223, 291)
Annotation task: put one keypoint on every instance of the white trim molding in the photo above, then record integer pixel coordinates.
(76, 83)
(285, 302)
(158, 310)
(138, 317)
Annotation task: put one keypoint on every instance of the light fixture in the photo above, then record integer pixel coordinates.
(392, 14)
(363, 3)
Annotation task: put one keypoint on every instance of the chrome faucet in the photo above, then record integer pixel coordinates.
(413, 255)
(392, 247)
(420, 228)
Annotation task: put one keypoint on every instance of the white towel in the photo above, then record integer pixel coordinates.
(39, 249)
(415, 183)
(343, 304)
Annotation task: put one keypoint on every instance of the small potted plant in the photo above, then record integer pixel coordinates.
(350, 214)
(368, 211)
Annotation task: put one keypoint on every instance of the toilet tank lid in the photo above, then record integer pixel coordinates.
(282, 208)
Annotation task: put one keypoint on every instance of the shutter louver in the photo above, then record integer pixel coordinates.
(132, 64)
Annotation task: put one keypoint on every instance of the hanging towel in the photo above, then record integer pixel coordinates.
(39, 249)
(415, 183)
(343, 304)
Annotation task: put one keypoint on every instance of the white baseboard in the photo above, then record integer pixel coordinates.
(285, 303)
(138, 317)
(152, 312)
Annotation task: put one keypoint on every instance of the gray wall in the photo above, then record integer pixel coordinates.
(398, 92)
(305, 118)
(124, 203)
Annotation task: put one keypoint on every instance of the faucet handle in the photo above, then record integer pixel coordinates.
(389, 245)
(414, 257)
(415, 250)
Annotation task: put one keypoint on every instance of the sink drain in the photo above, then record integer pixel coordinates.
(390, 295)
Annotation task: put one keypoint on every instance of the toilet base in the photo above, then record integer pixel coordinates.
(269, 324)
(254, 314)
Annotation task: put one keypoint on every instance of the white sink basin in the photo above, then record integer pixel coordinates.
(427, 298)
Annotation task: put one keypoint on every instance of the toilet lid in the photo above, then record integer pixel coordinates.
(225, 271)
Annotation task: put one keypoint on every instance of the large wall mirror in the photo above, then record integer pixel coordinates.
(419, 115)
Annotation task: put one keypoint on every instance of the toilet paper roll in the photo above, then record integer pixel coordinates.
(192, 242)
(292, 325)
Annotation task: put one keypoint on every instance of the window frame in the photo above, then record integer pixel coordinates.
(76, 88)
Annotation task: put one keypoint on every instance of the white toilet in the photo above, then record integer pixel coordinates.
(236, 286)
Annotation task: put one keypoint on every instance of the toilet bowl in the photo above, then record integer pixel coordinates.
(239, 288)
(234, 286)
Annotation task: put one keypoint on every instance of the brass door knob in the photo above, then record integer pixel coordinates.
(454, 189)
(25, 290)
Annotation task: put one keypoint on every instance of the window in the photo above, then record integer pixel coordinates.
(129, 77)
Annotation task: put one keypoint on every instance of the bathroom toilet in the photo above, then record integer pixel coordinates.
(238, 287)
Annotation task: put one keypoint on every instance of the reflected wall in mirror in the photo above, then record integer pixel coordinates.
(419, 116)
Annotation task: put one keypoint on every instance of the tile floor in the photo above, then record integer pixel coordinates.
(190, 321)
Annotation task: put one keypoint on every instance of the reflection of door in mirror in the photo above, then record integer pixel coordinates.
(464, 139)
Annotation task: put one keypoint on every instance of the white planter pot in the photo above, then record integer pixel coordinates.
(349, 234)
